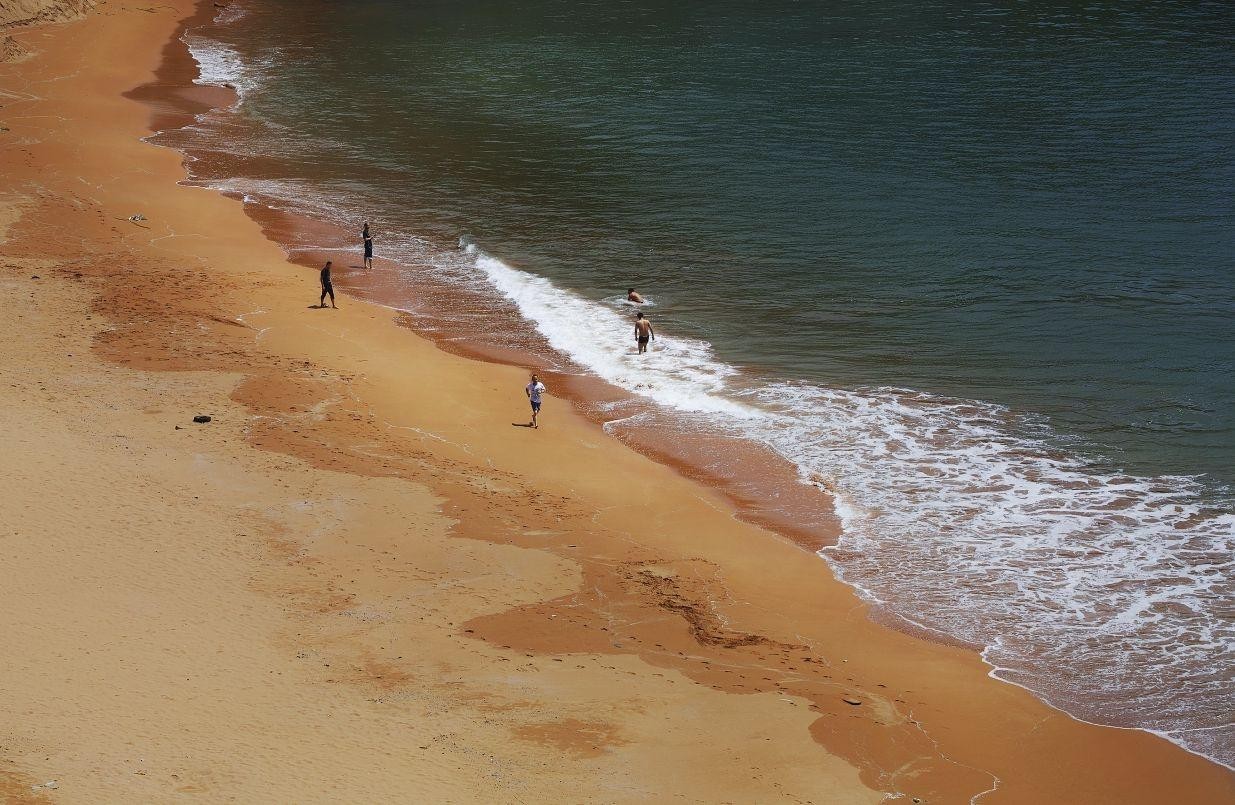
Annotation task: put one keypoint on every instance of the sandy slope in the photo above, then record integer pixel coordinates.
(25, 12)
(360, 583)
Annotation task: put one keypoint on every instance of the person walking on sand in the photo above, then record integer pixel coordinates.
(643, 331)
(368, 246)
(633, 296)
(327, 287)
(533, 391)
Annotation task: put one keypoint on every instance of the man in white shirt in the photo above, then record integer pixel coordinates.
(534, 390)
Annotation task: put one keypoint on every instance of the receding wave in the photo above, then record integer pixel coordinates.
(682, 373)
(219, 65)
(1102, 592)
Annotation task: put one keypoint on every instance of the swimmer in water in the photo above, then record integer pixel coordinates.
(633, 296)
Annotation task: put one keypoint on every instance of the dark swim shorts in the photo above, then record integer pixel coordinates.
(368, 248)
(643, 339)
(536, 406)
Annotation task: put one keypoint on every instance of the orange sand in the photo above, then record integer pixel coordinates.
(359, 583)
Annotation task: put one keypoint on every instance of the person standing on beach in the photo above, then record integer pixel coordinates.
(327, 287)
(368, 246)
(643, 331)
(633, 296)
(533, 391)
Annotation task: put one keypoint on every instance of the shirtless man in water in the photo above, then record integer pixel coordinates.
(633, 296)
(643, 331)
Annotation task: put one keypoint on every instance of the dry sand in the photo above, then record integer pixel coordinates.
(359, 583)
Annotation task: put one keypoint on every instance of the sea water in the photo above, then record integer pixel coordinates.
(969, 267)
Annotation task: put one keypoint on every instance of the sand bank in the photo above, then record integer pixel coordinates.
(359, 582)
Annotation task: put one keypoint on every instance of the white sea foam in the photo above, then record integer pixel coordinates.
(682, 373)
(1113, 582)
(219, 65)
(623, 304)
(1103, 592)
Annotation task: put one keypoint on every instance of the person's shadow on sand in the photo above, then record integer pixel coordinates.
(320, 307)
(521, 424)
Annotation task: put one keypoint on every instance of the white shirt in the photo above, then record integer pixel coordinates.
(534, 390)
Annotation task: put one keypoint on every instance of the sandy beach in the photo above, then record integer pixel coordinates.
(358, 582)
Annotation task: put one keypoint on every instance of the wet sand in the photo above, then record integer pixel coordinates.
(362, 581)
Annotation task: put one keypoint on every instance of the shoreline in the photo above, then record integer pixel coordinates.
(176, 100)
(778, 500)
(281, 226)
(803, 512)
(695, 611)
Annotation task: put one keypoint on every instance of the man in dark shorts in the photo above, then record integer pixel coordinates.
(327, 288)
(368, 246)
(534, 390)
(643, 331)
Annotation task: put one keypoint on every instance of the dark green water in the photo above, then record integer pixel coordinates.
(1023, 203)
(973, 264)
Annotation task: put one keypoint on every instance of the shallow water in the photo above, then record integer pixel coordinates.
(971, 270)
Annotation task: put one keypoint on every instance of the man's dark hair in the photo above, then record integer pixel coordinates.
(639, 315)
